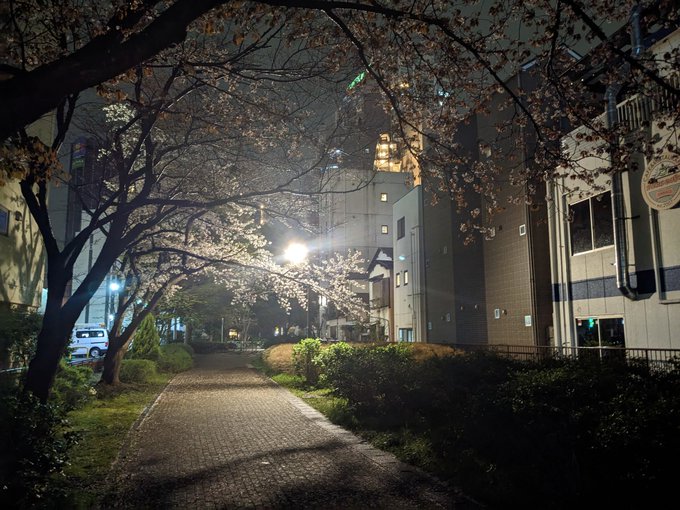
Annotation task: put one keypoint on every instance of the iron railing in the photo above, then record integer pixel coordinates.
(656, 358)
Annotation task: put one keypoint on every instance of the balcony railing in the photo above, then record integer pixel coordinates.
(637, 111)
(656, 358)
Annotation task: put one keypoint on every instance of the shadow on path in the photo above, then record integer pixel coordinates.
(222, 436)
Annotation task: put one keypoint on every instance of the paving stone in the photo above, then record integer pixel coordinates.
(222, 436)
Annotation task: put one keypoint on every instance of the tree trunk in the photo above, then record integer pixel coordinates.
(53, 337)
(59, 319)
(112, 361)
(188, 332)
(51, 346)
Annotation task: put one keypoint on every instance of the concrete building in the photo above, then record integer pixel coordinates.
(362, 181)
(409, 282)
(497, 289)
(381, 295)
(614, 254)
(22, 257)
(68, 208)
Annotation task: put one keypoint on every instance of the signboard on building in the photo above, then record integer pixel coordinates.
(661, 183)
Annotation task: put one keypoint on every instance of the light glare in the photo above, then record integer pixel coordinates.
(296, 253)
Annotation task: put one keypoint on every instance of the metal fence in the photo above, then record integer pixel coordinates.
(663, 359)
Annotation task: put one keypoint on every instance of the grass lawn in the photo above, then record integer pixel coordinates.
(104, 424)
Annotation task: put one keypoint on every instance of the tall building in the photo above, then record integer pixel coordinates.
(495, 290)
(359, 186)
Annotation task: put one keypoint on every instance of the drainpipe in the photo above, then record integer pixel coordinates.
(618, 204)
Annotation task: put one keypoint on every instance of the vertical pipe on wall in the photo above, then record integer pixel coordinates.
(618, 201)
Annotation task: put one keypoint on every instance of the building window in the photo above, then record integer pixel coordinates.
(398, 280)
(401, 227)
(405, 334)
(383, 197)
(598, 332)
(384, 229)
(591, 224)
(4, 221)
(405, 277)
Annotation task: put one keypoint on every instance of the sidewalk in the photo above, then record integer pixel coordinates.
(222, 436)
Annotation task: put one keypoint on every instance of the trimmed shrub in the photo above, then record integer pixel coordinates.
(137, 370)
(72, 386)
(374, 380)
(174, 358)
(304, 353)
(147, 341)
(189, 350)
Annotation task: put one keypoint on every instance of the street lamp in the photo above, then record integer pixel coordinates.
(110, 311)
(296, 253)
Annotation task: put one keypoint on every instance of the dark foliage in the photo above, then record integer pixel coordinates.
(72, 386)
(375, 380)
(549, 434)
(33, 447)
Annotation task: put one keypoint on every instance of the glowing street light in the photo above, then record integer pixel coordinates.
(296, 253)
(114, 286)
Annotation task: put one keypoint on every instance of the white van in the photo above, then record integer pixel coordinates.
(89, 340)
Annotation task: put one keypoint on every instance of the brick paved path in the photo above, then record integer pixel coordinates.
(222, 436)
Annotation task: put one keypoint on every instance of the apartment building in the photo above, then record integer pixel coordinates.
(614, 242)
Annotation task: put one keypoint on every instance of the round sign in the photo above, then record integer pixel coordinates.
(661, 183)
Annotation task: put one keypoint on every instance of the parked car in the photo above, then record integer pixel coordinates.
(91, 341)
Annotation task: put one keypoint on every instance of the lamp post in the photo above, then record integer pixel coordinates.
(114, 287)
(296, 253)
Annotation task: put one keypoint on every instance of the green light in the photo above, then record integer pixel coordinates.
(356, 81)
(591, 323)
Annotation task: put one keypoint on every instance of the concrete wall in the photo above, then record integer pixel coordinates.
(22, 256)
(409, 298)
(352, 216)
(585, 283)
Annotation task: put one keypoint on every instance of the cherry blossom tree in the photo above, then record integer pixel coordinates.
(220, 75)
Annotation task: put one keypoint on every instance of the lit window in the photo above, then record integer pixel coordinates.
(4, 221)
(384, 229)
(401, 227)
(405, 277)
(398, 280)
(383, 197)
(600, 332)
(591, 224)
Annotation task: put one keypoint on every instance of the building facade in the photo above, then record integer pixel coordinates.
(614, 242)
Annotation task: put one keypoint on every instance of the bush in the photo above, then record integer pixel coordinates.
(174, 358)
(304, 354)
(33, 447)
(186, 347)
(147, 341)
(72, 386)
(18, 332)
(137, 370)
(373, 379)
